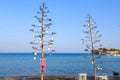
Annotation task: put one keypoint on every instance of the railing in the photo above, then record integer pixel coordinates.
(114, 78)
(92, 78)
(108, 78)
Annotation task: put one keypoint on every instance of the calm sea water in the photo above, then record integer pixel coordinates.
(12, 65)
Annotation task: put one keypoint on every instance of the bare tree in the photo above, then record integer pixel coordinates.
(40, 44)
(91, 40)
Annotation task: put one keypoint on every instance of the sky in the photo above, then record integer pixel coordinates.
(16, 17)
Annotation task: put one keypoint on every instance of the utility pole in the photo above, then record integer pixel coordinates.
(40, 31)
(91, 40)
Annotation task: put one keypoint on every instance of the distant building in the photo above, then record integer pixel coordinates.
(107, 51)
(112, 51)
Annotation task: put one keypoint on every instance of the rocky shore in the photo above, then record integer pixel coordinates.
(57, 78)
(38, 78)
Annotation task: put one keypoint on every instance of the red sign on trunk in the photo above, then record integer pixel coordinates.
(42, 65)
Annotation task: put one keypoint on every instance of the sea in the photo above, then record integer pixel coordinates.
(57, 64)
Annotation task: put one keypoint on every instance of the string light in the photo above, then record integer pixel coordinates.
(39, 37)
(90, 35)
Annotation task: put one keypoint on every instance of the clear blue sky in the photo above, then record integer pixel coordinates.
(16, 17)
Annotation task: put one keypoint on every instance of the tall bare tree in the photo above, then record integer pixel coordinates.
(91, 40)
(40, 44)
